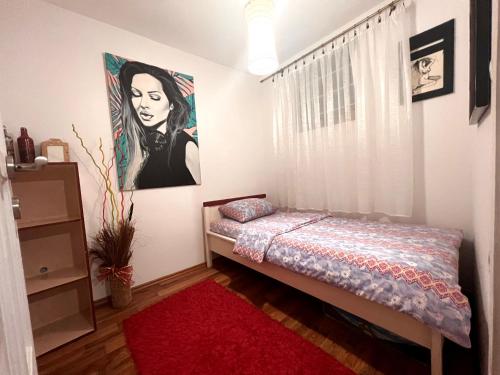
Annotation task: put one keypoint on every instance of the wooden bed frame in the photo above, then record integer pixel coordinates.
(394, 321)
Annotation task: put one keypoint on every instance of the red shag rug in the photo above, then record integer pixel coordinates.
(207, 329)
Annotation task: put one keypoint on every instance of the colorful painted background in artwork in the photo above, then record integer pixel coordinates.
(153, 117)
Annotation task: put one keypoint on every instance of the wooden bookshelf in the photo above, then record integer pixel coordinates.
(41, 222)
(54, 279)
(55, 257)
(65, 330)
(60, 315)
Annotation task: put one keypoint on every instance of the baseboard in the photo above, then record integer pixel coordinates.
(171, 277)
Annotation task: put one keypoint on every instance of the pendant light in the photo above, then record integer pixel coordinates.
(262, 57)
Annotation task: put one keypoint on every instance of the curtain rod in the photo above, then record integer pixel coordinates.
(391, 5)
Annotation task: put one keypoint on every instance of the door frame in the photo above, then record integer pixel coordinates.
(17, 352)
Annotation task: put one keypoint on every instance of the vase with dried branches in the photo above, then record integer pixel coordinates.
(111, 247)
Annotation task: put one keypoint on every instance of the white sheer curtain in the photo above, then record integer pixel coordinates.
(342, 124)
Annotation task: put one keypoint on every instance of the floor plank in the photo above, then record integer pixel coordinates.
(105, 351)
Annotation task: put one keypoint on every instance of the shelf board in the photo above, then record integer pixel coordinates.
(61, 332)
(54, 279)
(40, 222)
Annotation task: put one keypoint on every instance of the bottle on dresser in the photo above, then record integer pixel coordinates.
(26, 147)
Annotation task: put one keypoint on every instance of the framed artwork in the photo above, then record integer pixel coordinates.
(153, 119)
(480, 58)
(55, 150)
(432, 61)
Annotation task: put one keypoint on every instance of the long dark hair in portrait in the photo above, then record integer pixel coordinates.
(155, 159)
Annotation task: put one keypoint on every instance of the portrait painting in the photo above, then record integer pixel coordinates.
(432, 65)
(153, 119)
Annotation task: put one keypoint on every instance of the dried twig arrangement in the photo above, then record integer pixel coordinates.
(112, 245)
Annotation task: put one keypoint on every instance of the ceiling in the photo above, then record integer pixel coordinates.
(215, 29)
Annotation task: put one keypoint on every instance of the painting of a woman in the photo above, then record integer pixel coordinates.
(152, 129)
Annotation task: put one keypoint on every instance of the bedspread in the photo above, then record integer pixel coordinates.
(256, 236)
(409, 268)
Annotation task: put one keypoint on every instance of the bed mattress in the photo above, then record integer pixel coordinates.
(409, 268)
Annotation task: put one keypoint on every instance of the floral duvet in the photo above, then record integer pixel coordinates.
(410, 268)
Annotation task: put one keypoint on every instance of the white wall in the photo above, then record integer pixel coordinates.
(52, 75)
(486, 170)
(444, 140)
(484, 224)
(446, 199)
(495, 350)
(459, 165)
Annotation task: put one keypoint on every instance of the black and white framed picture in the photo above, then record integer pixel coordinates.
(432, 61)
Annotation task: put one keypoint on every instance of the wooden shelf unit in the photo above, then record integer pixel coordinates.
(60, 315)
(26, 224)
(54, 279)
(65, 330)
(55, 256)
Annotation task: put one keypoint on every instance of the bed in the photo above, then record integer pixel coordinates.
(357, 266)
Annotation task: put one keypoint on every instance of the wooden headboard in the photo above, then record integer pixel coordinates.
(211, 212)
(220, 202)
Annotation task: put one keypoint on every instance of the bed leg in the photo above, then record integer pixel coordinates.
(208, 258)
(208, 253)
(436, 353)
(206, 225)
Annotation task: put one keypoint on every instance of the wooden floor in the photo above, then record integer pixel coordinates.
(105, 351)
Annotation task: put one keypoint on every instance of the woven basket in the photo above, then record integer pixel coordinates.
(121, 294)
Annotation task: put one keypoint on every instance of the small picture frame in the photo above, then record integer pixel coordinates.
(55, 150)
(432, 61)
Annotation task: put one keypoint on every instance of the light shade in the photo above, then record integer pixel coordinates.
(262, 57)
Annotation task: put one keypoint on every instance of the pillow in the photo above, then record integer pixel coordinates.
(247, 209)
